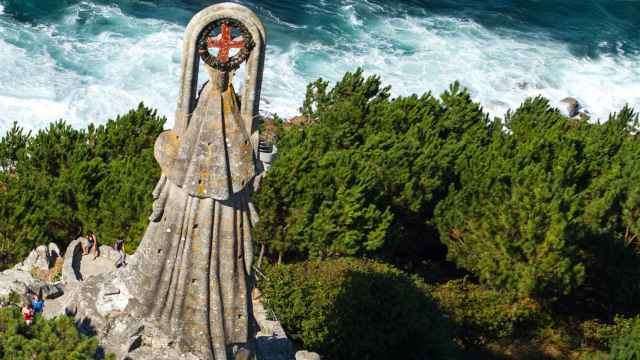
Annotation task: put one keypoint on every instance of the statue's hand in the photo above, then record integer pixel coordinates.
(257, 180)
(160, 195)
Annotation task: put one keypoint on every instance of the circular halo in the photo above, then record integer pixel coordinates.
(234, 61)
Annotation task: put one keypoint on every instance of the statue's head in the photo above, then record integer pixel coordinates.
(222, 37)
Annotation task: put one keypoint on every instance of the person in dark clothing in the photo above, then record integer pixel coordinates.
(121, 254)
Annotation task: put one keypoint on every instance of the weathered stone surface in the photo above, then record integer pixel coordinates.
(14, 280)
(72, 258)
(189, 282)
(54, 252)
(38, 258)
(46, 291)
(271, 341)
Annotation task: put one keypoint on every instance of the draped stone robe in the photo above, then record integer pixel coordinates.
(197, 252)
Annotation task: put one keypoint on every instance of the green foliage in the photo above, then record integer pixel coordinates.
(535, 204)
(44, 339)
(357, 309)
(540, 211)
(627, 346)
(62, 182)
(363, 177)
(12, 299)
(482, 315)
(604, 335)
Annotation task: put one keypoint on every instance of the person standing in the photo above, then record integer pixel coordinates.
(27, 313)
(121, 254)
(92, 244)
(37, 304)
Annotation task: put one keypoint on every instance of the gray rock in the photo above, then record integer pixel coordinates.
(271, 341)
(72, 260)
(46, 291)
(307, 355)
(13, 280)
(38, 258)
(109, 253)
(54, 252)
(569, 107)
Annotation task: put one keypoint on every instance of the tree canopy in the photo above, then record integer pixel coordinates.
(61, 182)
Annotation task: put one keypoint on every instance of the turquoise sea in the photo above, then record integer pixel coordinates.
(86, 61)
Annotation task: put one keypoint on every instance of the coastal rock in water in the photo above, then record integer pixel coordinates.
(307, 355)
(569, 107)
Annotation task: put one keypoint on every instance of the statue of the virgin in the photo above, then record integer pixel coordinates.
(186, 290)
(195, 260)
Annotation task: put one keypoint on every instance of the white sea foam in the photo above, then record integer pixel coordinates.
(89, 79)
(98, 62)
(500, 70)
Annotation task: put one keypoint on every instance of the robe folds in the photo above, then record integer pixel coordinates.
(197, 252)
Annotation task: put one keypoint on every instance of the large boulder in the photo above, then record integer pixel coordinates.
(78, 267)
(72, 258)
(39, 258)
(13, 280)
(54, 252)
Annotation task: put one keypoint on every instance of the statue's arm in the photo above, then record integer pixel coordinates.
(160, 195)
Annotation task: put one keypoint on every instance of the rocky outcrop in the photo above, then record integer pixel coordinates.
(72, 258)
(18, 281)
(54, 252)
(38, 258)
(78, 267)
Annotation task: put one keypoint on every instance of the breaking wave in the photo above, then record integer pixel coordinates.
(87, 61)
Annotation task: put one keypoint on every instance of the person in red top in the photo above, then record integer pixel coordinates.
(27, 313)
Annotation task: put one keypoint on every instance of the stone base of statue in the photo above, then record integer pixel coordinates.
(108, 306)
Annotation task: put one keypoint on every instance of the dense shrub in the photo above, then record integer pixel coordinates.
(536, 203)
(357, 309)
(627, 345)
(62, 182)
(604, 335)
(363, 175)
(482, 315)
(44, 340)
(550, 209)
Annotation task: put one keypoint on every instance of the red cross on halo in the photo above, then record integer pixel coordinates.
(224, 42)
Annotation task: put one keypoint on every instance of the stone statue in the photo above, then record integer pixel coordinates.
(197, 252)
(187, 288)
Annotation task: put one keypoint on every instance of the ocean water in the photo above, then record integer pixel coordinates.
(87, 61)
